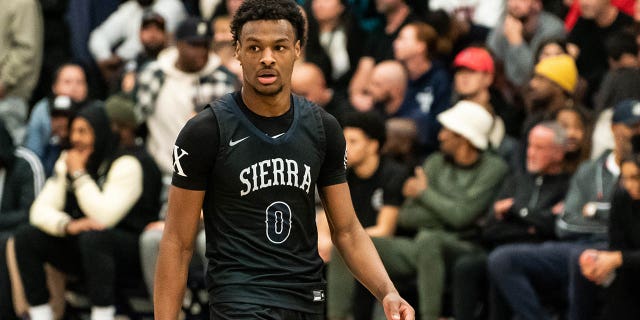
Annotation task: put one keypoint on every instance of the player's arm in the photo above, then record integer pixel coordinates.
(193, 159)
(176, 249)
(347, 234)
(358, 251)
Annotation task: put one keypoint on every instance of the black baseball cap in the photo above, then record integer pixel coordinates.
(152, 17)
(627, 112)
(194, 30)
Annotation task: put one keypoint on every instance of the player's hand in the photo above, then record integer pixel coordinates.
(396, 308)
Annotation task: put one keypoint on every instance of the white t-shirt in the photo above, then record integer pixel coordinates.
(124, 26)
(481, 12)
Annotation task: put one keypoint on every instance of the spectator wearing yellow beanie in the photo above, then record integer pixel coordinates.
(561, 70)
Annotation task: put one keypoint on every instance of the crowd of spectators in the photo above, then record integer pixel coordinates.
(493, 148)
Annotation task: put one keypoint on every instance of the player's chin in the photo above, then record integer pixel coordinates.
(270, 90)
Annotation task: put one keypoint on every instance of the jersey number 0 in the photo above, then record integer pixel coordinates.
(278, 222)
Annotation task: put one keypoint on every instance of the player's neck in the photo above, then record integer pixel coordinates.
(267, 106)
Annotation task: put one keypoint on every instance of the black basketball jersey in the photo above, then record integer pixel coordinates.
(259, 208)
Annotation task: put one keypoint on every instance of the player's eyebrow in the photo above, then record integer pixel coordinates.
(254, 39)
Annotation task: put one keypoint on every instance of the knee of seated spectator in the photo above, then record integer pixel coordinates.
(92, 241)
(574, 256)
(501, 261)
(28, 236)
(428, 244)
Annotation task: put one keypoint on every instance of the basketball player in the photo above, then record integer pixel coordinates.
(251, 162)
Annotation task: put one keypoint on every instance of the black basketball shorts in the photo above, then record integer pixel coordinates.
(247, 311)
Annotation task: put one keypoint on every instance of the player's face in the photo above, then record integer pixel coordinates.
(82, 135)
(359, 146)
(469, 83)
(267, 51)
(630, 178)
(542, 152)
(572, 123)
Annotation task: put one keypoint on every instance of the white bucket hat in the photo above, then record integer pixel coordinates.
(470, 120)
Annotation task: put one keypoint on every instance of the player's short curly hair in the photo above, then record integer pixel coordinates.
(252, 10)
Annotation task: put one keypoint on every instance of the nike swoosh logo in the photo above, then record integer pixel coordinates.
(233, 143)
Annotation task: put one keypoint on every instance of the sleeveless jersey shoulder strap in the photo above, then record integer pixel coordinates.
(313, 111)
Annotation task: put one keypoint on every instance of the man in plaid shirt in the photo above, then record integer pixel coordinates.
(183, 80)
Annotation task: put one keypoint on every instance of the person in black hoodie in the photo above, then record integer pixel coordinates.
(21, 177)
(88, 217)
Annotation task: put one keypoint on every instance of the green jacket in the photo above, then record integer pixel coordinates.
(455, 196)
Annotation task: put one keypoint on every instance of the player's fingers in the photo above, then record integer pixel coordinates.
(392, 309)
(407, 312)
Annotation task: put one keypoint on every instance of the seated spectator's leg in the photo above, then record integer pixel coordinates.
(399, 256)
(6, 302)
(340, 288)
(103, 253)
(57, 284)
(149, 246)
(622, 299)
(499, 308)
(583, 293)
(33, 249)
(515, 269)
(436, 250)
(469, 285)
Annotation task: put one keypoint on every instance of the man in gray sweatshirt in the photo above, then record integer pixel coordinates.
(518, 34)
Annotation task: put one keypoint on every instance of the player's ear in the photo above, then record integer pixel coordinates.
(298, 49)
